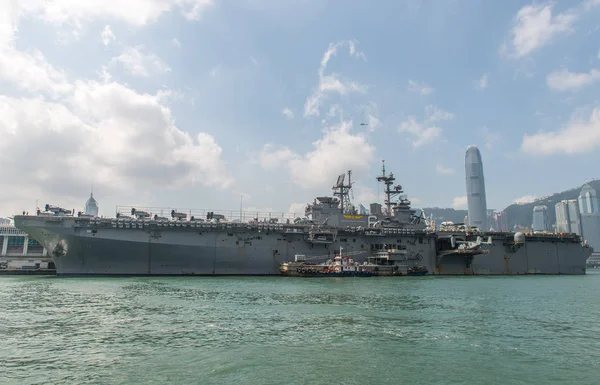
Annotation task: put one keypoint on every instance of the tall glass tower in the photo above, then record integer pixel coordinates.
(476, 202)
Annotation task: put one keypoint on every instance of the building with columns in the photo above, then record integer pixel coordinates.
(17, 250)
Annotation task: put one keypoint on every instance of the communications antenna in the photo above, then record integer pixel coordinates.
(390, 193)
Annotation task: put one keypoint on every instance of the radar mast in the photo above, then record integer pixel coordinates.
(342, 191)
(389, 192)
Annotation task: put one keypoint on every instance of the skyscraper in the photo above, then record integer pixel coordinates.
(568, 219)
(91, 206)
(574, 217)
(590, 216)
(588, 201)
(540, 218)
(562, 217)
(501, 221)
(476, 202)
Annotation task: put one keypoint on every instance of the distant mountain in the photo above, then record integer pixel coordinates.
(522, 214)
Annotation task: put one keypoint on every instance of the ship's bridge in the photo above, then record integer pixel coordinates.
(323, 208)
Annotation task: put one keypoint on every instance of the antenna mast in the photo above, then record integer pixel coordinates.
(390, 193)
(342, 191)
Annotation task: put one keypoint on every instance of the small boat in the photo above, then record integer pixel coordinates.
(338, 266)
(417, 271)
(341, 265)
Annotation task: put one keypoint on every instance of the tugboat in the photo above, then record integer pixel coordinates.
(380, 264)
(339, 266)
(417, 271)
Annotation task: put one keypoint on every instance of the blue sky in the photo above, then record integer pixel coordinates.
(194, 103)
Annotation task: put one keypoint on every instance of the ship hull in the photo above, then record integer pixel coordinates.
(537, 255)
(80, 248)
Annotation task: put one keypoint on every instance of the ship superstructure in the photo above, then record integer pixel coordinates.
(155, 241)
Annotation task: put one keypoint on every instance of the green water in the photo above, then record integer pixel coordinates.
(416, 330)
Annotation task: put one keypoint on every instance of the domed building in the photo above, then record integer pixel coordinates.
(91, 206)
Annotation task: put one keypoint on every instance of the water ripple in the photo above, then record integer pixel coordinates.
(524, 330)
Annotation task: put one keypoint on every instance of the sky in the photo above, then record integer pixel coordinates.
(196, 104)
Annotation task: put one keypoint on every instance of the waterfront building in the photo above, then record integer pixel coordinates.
(588, 201)
(501, 221)
(574, 217)
(590, 216)
(18, 250)
(540, 218)
(562, 217)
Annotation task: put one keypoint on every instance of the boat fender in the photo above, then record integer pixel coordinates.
(298, 270)
(303, 270)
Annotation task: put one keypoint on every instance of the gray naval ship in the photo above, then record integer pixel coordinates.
(136, 242)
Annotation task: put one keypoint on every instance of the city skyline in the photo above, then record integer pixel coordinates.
(195, 103)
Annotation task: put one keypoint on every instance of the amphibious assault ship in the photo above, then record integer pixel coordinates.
(137, 242)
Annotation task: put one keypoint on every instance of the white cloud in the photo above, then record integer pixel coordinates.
(115, 131)
(250, 210)
(331, 83)
(92, 132)
(338, 150)
(289, 114)
(364, 196)
(444, 170)
(354, 52)
(525, 199)
(371, 113)
(535, 26)
(589, 4)
(176, 42)
(192, 9)
(105, 134)
(482, 83)
(9, 13)
(297, 208)
(135, 12)
(579, 136)
(425, 132)
(490, 138)
(107, 35)
(139, 63)
(272, 157)
(459, 203)
(564, 80)
(421, 88)
(434, 114)
(422, 134)
(414, 201)
(31, 71)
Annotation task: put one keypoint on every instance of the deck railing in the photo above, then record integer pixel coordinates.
(204, 214)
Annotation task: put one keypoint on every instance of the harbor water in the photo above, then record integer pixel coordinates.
(278, 330)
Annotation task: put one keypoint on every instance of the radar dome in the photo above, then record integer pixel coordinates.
(519, 237)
